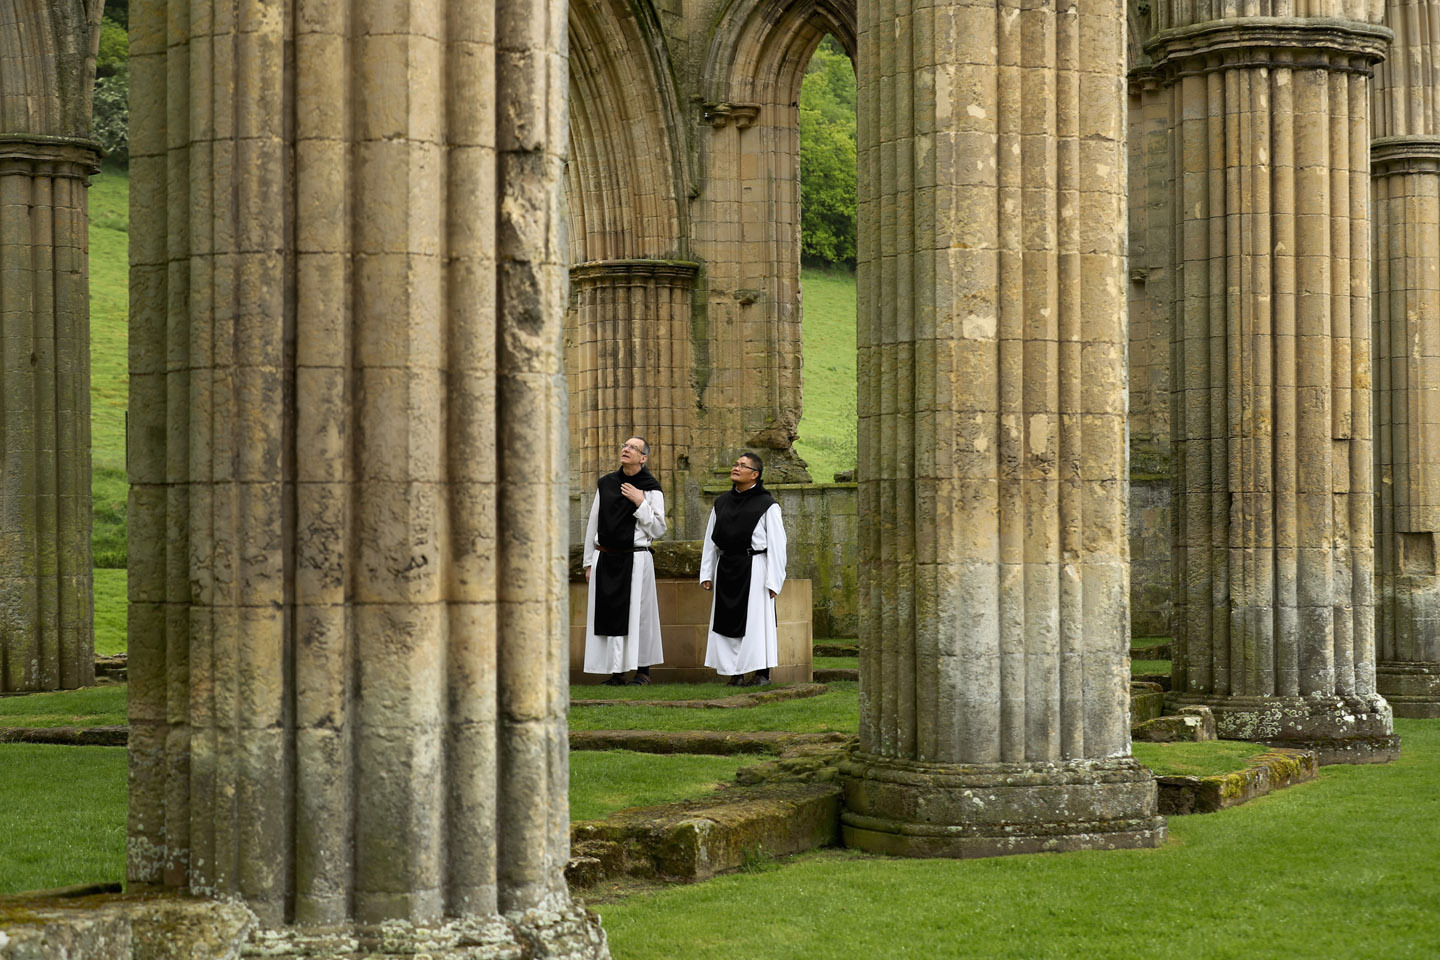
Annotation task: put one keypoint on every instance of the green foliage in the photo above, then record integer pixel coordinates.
(828, 426)
(110, 607)
(110, 116)
(838, 709)
(1343, 867)
(62, 815)
(88, 707)
(827, 157)
(114, 53)
(119, 11)
(603, 781)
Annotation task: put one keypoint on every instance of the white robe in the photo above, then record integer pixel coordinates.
(640, 647)
(759, 649)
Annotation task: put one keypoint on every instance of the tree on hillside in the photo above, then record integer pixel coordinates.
(110, 121)
(827, 157)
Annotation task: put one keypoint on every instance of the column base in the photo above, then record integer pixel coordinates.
(908, 808)
(568, 933)
(1412, 688)
(1338, 729)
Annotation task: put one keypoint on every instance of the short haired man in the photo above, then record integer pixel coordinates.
(744, 562)
(622, 620)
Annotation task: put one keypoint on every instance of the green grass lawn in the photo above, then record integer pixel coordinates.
(835, 663)
(828, 427)
(1342, 867)
(1145, 643)
(109, 612)
(837, 709)
(91, 707)
(1196, 759)
(109, 361)
(603, 781)
(1149, 666)
(62, 815)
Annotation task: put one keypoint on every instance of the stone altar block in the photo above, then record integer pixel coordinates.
(684, 624)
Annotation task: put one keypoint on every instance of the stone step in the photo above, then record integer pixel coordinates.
(1158, 652)
(1269, 771)
(67, 736)
(832, 674)
(797, 691)
(698, 839)
(714, 743)
(830, 648)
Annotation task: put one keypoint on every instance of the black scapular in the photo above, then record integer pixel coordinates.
(615, 563)
(736, 514)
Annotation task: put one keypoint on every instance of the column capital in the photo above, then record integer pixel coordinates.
(50, 156)
(595, 272)
(1306, 43)
(720, 113)
(1400, 155)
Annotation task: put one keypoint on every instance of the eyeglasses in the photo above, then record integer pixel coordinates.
(743, 465)
(630, 446)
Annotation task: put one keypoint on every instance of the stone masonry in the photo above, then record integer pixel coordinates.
(994, 574)
(47, 70)
(1405, 200)
(1272, 471)
(348, 457)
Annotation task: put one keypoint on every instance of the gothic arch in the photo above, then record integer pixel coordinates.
(626, 174)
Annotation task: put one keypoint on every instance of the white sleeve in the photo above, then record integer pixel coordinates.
(591, 529)
(650, 516)
(775, 549)
(708, 557)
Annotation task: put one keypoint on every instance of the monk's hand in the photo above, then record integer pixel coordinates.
(705, 584)
(772, 594)
(587, 574)
(632, 493)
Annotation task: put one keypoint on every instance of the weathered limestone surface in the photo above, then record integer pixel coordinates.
(1272, 476)
(994, 618)
(1405, 204)
(348, 465)
(47, 69)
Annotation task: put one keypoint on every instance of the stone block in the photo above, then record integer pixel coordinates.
(1267, 772)
(697, 839)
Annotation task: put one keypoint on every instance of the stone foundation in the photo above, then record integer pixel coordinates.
(685, 624)
(915, 809)
(1411, 689)
(1338, 729)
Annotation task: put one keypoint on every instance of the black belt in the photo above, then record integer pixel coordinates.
(604, 549)
(749, 552)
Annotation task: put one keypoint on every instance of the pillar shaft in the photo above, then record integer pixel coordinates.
(994, 577)
(47, 638)
(348, 465)
(1405, 205)
(1273, 504)
(631, 370)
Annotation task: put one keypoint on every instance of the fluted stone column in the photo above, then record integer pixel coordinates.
(348, 465)
(1273, 504)
(994, 568)
(1405, 204)
(47, 69)
(632, 370)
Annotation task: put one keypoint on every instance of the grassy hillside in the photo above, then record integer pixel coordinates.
(109, 349)
(827, 429)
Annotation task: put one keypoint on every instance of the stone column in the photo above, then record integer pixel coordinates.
(348, 464)
(1273, 504)
(1405, 203)
(47, 636)
(631, 370)
(994, 568)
